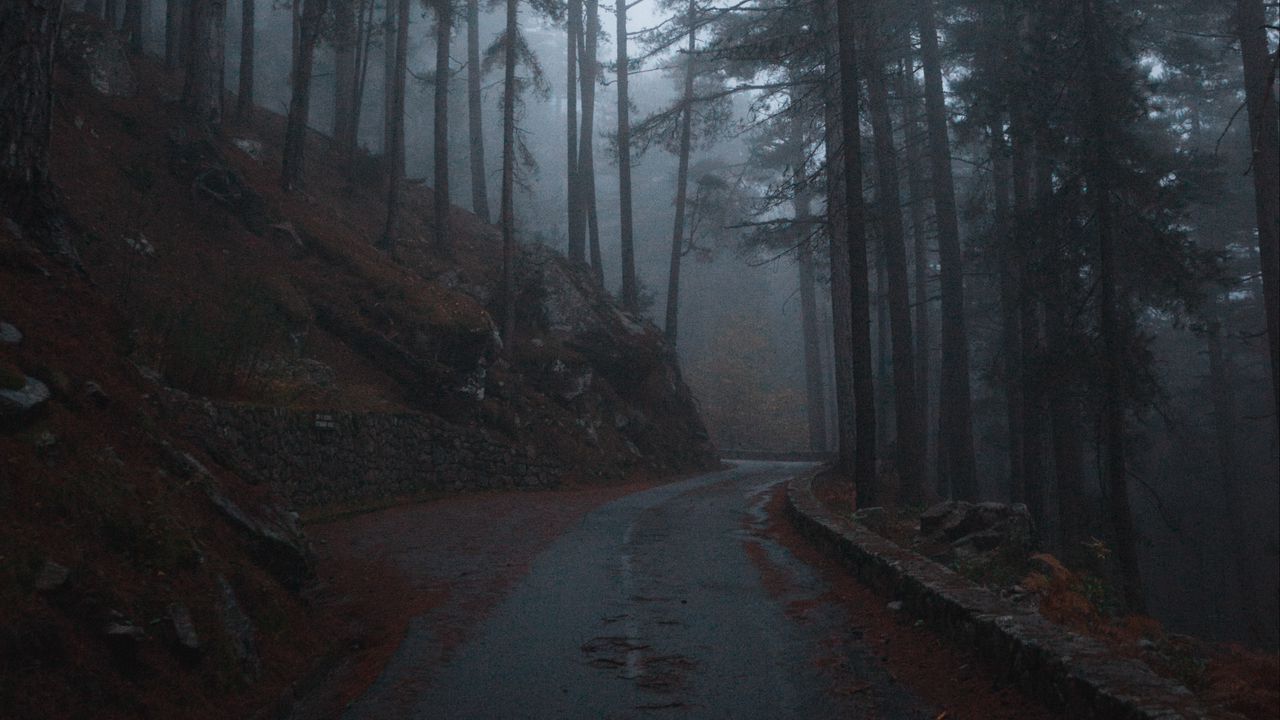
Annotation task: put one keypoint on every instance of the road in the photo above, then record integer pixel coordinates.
(663, 603)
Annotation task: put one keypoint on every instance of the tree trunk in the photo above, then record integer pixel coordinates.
(111, 13)
(508, 182)
(295, 133)
(864, 462)
(630, 289)
(908, 423)
(815, 404)
(1235, 520)
(440, 211)
(1110, 319)
(394, 139)
(841, 312)
(133, 25)
(682, 183)
(345, 69)
(172, 33)
(587, 64)
(28, 36)
(364, 38)
(908, 91)
(1264, 140)
(1010, 358)
(475, 111)
(956, 462)
(202, 90)
(574, 227)
(390, 71)
(1032, 395)
(244, 94)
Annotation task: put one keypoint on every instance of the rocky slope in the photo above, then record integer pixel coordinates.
(139, 576)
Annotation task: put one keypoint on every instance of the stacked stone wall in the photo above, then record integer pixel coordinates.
(319, 459)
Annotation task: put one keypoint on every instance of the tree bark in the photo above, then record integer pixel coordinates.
(394, 139)
(908, 423)
(815, 404)
(172, 33)
(587, 64)
(1264, 140)
(244, 92)
(1030, 415)
(295, 134)
(133, 25)
(390, 70)
(202, 89)
(866, 488)
(1110, 318)
(841, 312)
(682, 183)
(346, 41)
(508, 182)
(475, 112)
(1010, 359)
(956, 461)
(908, 91)
(440, 212)
(630, 288)
(28, 37)
(574, 227)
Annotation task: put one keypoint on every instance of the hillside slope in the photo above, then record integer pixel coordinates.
(138, 576)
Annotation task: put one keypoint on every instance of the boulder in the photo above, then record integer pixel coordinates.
(24, 400)
(239, 630)
(182, 629)
(277, 542)
(91, 49)
(9, 335)
(52, 576)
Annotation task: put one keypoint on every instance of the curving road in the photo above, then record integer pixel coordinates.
(664, 603)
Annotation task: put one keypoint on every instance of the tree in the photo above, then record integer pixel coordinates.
(173, 16)
(682, 181)
(202, 89)
(864, 460)
(475, 120)
(586, 171)
(955, 451)
(576, 231)
(28, 35)
(244, 95)
(510, 41)
(295, 134)
(909, 424)
(630, 289)
(837, 219)
(440, 214)
(394, 140)
(346, 68)
(1264, 138)
(133, 24)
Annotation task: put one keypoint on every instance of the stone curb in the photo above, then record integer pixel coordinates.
(1066, 671)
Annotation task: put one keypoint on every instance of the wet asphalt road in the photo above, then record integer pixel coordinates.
(653, 607)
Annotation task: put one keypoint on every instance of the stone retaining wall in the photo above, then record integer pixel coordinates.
(1062, 669)
(319, 459)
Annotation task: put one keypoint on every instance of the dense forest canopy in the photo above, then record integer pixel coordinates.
(977, 249)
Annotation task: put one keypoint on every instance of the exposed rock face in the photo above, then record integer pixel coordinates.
(277, 540)
(90, 48)
(614, 369)
(239, 629)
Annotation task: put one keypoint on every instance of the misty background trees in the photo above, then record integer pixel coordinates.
(978, 249)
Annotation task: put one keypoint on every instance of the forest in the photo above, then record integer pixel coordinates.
(980, 251)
